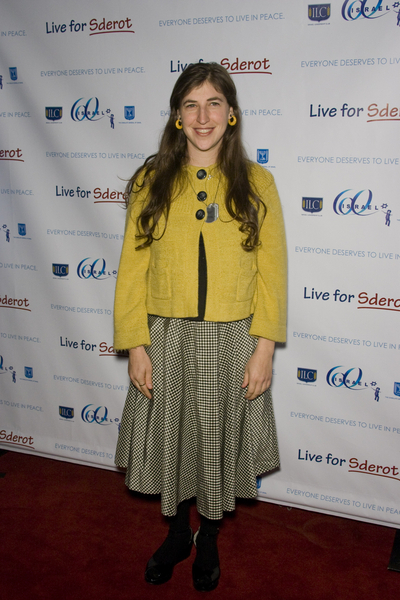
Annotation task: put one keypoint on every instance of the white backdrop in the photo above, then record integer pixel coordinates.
(84, 95)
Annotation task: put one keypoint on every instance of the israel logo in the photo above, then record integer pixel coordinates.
(307, 375)
(262, 156)
(129, 113)
(396, 388)
(312, 205)
(54, 113)
(21, 229)
(98, 415)
(370, 9)
(348, 379)
(60, 270)
(66, 412)
(319, 12)
(13, 73)
(95, 269)
(89, 110)
(346, 204)
(28, 372)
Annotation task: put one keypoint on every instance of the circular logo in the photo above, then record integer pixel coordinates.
(96, 269)
(345, 204)
(338, 379)
(98, 415)
(88, 111)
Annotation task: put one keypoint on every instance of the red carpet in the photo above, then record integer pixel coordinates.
(69, 531)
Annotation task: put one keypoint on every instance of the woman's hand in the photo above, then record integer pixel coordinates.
(140, 370)
(258, 371)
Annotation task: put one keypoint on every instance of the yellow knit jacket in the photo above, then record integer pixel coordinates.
(162, 279)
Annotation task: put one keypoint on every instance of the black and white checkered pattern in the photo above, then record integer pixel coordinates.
(198, 436)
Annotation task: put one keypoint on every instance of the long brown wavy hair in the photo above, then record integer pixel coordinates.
(162, 171)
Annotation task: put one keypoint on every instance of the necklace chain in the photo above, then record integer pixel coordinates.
(209, 177)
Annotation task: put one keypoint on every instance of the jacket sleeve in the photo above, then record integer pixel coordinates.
(130, 314)
(269, 317)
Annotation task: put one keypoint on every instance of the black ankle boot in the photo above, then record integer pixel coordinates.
(205, 570)
(175, 548)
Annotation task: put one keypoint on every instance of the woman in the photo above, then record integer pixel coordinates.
(200, 302)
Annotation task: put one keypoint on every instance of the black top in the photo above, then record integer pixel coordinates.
(202, 292)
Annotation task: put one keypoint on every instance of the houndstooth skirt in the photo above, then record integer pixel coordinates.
(198, 436)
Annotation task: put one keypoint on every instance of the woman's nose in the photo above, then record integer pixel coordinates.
(202, 116)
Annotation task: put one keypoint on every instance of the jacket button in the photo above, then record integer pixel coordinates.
(201, 174)
(202, 196)
(200, 214)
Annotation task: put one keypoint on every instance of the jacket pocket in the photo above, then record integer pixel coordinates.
(159, 281)
(247, 279)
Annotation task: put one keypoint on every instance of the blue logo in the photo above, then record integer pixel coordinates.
(359, 204)
(6, 231)
(90, 111)
(262, 156)
(369, 9)
(259, 480)
(319, 12)
(97, 415)
(66, 412)
(54, 113)
(349, 379)
(60, 270)
(129, 113)
(13, 73)
(11, 370)
(396, 388)
(307, 375)
(312, 205)
(28, 372)
(346, 205)
(21, 229)
(96, 269)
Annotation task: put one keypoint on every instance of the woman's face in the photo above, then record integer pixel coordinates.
(204, 113)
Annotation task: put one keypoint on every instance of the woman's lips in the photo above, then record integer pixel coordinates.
(204, 131)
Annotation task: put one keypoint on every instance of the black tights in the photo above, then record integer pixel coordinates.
(180, 534)
(181, 521)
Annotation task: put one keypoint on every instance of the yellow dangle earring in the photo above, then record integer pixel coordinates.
(178, 123)
(232, 120)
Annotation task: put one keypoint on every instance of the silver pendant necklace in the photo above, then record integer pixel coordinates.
(212, 208)
(212, 212)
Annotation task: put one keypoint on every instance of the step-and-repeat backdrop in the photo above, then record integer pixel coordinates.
(84, 91)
